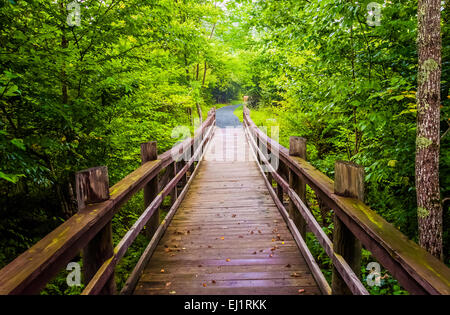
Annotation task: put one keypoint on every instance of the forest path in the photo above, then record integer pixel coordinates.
(225, 117)
(227, 236)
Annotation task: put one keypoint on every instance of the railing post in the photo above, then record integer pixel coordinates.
(258, 145)
(180, 165)
(174, 194)
(149, 152)
(193, 149)
(92, 186)
(270, 178)
(297, 147)
(282, 172)
(349, 182)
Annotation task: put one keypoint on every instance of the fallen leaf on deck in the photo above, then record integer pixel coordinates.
(162, 271)
(254, 253)
(172, 292)
(301, 290)
(214, 281)
(204, 284)
(295, 274)
(168, 284)
(228, 259)
(288, 266)
(233, 215)
(222, 238)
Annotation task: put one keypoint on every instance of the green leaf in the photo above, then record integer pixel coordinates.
(13, 178)
(18, 143)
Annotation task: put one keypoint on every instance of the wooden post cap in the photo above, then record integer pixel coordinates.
(92, 185)
(297, 147)
(349, 180)
(149, 151)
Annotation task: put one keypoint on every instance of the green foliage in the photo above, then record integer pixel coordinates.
(323, 73)
(74, 97)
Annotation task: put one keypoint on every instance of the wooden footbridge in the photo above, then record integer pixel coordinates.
(237, 225)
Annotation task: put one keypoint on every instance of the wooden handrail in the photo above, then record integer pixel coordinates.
(100, 278)
(30, 271)
(338, 261)
(416, 270)
(133, 278)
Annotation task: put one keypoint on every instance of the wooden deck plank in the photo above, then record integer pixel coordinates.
(227, 236)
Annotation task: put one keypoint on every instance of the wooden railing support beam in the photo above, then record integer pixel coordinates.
(149, 152)
(349, 182)
(173, 172)
(92, 186)
(297, 147)
(281, 171)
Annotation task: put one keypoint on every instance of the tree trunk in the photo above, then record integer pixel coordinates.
(198, 68)
(186, 65)
(206, 66)
(64, 45)
(429, 210)
(204, 75)
(199, 111)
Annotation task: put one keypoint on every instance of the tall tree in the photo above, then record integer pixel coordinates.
(429, 210)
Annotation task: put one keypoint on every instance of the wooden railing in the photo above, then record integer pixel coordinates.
(89, 230)
(354, 222)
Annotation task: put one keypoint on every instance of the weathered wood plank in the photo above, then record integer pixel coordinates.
(137, 271)
(217, 229)
(210, 290)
